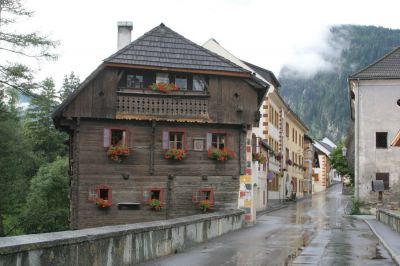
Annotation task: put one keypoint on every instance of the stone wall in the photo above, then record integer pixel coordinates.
(389, 218)
(117, 245)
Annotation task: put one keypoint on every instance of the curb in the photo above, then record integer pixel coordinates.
(394, 256)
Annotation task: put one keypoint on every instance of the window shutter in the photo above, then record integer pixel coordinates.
(124, 137)
(209, 140)
(92, 195)
(212, 196)
(106, 137)
(146, 196)
(165, 140)
(195, 196)
(162, 196)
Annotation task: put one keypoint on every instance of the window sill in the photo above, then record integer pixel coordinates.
(147, 92)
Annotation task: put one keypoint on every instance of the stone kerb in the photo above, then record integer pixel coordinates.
(117, 245)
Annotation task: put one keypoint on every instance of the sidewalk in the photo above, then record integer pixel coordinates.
(388, 237)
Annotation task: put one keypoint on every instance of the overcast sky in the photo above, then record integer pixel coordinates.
(266, 33)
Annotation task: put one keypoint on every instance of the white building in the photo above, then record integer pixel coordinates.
(375, 108)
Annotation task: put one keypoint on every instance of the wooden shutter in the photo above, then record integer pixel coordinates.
(209, 140)
(165, 140)
(124, 137)
(195, 196)
(146, 196)
(212, 196)
(92, 195)
(162, 196)
(106, 137)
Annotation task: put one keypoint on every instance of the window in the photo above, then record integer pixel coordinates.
(398, 102)
(199, 83)
(173, 139)
(134, 81)
(176, 140)
(154, 193)
(381, 140)
(287, 130)
(293, 134)
(181, 82)
(218, 141)
(287, 154)
(162, 78)
(385, 178)
(114, 137)
(203, 194)
(104, 193)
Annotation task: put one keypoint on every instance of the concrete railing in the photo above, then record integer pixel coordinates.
(117, 245)
(389, 218)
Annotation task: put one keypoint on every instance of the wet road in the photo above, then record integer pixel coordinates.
(310, 232)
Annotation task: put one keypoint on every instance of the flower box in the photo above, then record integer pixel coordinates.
(289, 162)
(163, 87)
(259, 157)
(220, 155)
(118, 152)
(205, 205)
(103, 203)
(175, 154)
(278, 157)
(155, 204)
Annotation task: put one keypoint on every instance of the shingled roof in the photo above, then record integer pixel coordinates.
(387, 67)
(163, 47)
(265, 73)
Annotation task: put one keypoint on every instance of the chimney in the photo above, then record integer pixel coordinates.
(124, 33)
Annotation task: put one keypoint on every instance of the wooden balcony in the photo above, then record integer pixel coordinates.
(176, 106)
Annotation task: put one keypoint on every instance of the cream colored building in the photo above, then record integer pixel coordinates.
(272, 183)
(293, 142)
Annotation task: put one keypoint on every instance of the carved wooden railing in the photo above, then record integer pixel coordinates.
(162, 106)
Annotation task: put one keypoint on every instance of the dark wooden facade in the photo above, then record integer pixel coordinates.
(228, 105)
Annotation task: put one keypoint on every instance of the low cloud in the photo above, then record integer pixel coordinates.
(320, 54)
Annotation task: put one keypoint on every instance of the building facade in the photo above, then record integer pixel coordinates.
(159, 130)
(375, 108)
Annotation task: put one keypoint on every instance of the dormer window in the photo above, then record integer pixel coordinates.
(199, 83)
(134, 81)
(181, 82)
(162, 78)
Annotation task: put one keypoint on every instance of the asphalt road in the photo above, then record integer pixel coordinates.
(309, 232)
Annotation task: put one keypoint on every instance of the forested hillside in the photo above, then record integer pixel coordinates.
(321, 101)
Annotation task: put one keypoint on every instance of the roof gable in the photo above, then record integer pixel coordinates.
(387, 67)
(163, 47)
(265, 73)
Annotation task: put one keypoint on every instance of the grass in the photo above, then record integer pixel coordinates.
(355, 206)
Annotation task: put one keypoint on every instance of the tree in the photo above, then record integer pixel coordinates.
(71, 82)
(31, 45)
(47, 204)
(17, 163)
(339, 162)
(47, 142)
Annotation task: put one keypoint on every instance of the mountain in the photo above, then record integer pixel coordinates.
(321, 100)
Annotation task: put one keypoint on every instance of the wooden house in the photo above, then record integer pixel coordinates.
(160, 96)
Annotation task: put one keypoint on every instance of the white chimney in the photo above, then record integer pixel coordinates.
(124, 33)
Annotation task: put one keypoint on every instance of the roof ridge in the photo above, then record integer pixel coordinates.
(376, 62)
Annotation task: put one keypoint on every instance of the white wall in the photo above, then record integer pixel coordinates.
(377, 112)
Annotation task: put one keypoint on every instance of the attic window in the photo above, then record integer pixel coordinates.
(199, 83)
(181, 82)
(381, 140)
(162, 78)
(134, 81)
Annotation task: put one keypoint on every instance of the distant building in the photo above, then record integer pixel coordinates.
(375, 108)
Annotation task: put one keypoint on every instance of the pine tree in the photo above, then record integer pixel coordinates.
(31, 45)
(71, 82)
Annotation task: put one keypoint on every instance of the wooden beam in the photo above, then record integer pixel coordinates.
(184, 70)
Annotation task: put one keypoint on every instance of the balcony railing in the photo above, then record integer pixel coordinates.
(163, 105)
